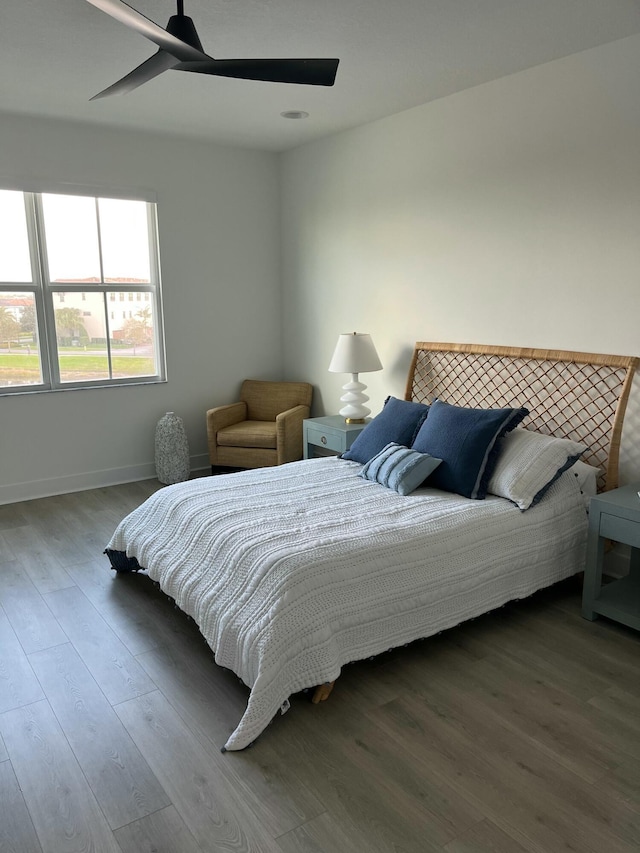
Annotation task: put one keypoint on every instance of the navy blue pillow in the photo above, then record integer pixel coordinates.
(398, 422)
(466, 441)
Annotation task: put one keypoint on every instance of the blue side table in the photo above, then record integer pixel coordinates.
(613, 515)
(328, 436)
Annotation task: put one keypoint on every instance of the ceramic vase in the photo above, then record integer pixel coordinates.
(172, 450)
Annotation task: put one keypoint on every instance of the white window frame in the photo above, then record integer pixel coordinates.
(43, 291)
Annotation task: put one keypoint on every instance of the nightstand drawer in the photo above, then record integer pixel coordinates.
(324, 438)
(620, 529)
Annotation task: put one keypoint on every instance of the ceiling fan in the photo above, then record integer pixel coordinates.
(181, 49)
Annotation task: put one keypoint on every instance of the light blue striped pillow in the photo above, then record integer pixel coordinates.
(399, 468)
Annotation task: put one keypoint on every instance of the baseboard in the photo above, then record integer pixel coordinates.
(88, 480)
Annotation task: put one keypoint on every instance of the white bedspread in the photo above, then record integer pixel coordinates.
(292, 572)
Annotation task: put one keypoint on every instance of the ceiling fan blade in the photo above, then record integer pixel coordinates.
(134, 19)
(156, 64)
(313, 72)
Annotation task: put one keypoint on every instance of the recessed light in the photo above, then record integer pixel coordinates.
(295, 114)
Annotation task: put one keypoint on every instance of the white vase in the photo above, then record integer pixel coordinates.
(172, 450)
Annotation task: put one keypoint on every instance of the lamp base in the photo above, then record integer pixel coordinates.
(354, 412)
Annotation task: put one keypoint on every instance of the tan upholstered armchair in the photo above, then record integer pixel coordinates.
(263, 428)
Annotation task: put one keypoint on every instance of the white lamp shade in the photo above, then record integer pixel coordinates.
(355, 353)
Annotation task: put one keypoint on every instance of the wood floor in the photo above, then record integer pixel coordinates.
(519, 731)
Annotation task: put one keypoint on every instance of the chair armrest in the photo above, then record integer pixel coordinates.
(219, 418)
(289, 433)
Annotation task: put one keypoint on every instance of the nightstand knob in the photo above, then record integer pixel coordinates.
(323, 439)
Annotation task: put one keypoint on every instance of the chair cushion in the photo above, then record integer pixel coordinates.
(248, 434)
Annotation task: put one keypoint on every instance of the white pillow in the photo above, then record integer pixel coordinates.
(587, 477)
(528, 463)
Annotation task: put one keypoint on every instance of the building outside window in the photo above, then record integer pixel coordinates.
(63, 258)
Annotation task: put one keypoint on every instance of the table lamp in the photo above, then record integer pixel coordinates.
(354, 354)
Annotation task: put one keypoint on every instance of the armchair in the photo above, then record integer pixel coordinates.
(263, 428)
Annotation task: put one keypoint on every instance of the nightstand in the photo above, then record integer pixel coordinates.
(328, 436)
(613, 515)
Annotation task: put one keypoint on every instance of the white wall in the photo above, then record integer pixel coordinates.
(507, 214)
(219, 252)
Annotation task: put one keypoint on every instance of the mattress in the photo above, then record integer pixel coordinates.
(292, 572)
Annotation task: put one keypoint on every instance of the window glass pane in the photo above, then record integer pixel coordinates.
(15, 265)
(133, 343)
(84, 245)
(81, 335)
(125, 240)
(19, 351)
(71, 233)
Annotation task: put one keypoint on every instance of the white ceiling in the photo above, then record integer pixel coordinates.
(394, 54)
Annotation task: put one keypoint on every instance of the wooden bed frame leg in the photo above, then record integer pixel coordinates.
(322, 692)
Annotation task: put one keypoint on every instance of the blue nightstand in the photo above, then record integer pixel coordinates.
(328, 436)
(613, 515)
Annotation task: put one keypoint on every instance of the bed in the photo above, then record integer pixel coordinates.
(292, 572)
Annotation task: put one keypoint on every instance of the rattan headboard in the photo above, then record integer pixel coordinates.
(575, 395)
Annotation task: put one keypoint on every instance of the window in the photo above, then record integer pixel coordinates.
(63, 259)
